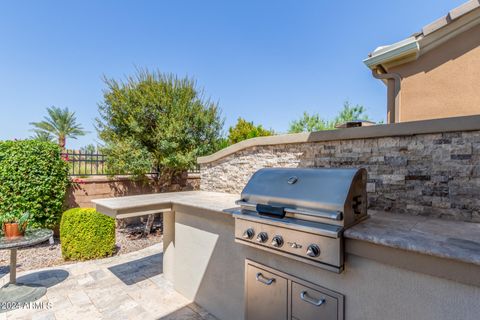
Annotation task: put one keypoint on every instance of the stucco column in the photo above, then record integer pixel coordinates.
(168, 244)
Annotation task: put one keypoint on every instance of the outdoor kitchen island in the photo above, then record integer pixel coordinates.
(396, 266)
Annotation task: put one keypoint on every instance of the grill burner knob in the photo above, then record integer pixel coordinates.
(262, 237)
(313, 251)
(248, 234)
(277, 241)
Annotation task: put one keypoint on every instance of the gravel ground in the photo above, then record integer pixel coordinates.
(44, 255)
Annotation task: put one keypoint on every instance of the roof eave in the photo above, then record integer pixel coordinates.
(458, 20)
(407, 49)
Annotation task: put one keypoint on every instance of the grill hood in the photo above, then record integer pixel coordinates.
(328, 194)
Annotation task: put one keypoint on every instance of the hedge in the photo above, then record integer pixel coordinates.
(33, 178)
(86, 234)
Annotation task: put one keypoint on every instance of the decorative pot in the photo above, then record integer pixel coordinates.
(12, 230)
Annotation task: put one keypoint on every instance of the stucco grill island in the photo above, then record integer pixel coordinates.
(378, 261)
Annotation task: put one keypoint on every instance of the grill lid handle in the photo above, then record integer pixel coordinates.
(267, 210)
(327, 214)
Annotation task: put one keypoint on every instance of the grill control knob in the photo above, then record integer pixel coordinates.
(262, 237)
(248, 234)
(277, 241)
(313, 251)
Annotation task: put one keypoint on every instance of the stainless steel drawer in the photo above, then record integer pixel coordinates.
(311, 304)
(271, 294)
(266, 295)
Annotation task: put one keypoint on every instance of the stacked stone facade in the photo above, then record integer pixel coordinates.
(436, 175)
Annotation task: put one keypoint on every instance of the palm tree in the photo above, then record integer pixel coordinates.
(61, 123)
(42, 136)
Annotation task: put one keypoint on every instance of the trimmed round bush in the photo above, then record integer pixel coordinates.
(86, 234)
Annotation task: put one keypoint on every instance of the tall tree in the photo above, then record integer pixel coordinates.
(61, 123)
(313, 122)
(351, 112)
(309, 123)
(244, 130)
(156, 120)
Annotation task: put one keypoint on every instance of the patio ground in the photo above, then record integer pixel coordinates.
(129, 286)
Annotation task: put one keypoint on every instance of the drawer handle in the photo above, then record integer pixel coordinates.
(264, 280)
(304, 296)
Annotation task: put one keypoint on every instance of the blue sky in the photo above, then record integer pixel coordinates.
(266, 61)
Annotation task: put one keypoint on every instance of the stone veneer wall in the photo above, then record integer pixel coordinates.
(434, 174)
(83, 190)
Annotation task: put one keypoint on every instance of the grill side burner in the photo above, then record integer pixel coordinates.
(301, 213)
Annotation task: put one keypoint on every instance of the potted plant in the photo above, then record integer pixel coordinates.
(14, 224)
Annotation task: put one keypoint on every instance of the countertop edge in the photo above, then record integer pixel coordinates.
(393, 245)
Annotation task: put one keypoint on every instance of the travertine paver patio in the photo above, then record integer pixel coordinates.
(130, 286)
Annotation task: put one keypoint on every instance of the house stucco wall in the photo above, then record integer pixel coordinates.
(443, 82)
(431, 174)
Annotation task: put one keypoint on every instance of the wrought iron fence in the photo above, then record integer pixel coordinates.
(84, 163)
(93, 164)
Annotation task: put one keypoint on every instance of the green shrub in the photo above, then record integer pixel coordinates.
(156, 120)
(33, 178)
(86, 234)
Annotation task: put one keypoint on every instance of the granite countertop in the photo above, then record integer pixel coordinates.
(441, 238)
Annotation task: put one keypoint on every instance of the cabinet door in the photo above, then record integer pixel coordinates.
(266, 295)
(310, 304)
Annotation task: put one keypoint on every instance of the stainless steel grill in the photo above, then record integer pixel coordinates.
(301, 213)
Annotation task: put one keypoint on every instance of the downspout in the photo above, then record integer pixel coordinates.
(393, 93)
